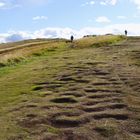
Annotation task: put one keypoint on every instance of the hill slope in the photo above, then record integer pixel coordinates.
(84, 93)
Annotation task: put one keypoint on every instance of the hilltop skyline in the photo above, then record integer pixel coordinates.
(25, 19)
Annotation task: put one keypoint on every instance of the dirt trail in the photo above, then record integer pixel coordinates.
(92, 99)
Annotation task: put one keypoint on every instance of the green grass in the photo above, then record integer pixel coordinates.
(18, 74)
(20, 69)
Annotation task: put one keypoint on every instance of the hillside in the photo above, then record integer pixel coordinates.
(58, 90)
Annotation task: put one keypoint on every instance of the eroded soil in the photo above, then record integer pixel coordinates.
(95, 96)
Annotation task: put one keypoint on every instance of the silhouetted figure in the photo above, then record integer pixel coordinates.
(125, 32)
(71, 38)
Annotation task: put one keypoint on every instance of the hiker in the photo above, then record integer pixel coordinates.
(71, 38)
(125, 32)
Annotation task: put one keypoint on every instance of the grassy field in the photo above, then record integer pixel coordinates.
(57, 90)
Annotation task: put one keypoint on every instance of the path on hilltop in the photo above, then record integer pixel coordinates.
(94, 96)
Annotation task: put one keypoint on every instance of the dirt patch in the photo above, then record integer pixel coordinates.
(31, 121)
(101, 83)
(65, 123)
(107, 131)
(68, 121)
(31, 106)
(66, 79)
(102, 107)
(93, 90)
(118, 106)
(64, 99)
(73, 93)
(113, 116)
(94, 109)
(105, 95)
(92, 102)
(100, 72)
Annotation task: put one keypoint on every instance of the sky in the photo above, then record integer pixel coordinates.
(30, 19)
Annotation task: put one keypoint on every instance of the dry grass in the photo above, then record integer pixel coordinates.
(18, 53)
(98, 41)
(12, 53)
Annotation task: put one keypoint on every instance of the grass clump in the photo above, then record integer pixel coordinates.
(45, 93)
(2, 64)
(37, 87)
(54, 130)
(14, 61)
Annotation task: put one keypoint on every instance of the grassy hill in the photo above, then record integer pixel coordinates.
(58, 90)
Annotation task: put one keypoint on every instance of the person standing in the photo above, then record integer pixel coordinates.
(125, 32)
(71, 38)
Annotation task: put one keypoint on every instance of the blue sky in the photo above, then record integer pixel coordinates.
(23, 19)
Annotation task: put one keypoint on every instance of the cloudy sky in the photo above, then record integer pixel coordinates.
(24, 19)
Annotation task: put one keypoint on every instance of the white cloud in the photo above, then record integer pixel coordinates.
(32, 2)
(2, 4)
(55, 33)
(9, 4)
(13, 36)
(92, 2)
(133, 29)
(103, 3)
(109, 2)
(121, 17)
(113, 2)
(102, 19)
(137, 3)
(40, 18)
(88, 3)
(37, 1)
